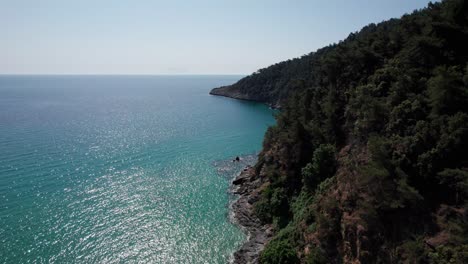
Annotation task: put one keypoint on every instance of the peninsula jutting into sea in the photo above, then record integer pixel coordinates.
(196, 132)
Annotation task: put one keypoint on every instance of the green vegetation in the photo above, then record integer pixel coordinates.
(279, 251)
(323, 166)
(367, 161)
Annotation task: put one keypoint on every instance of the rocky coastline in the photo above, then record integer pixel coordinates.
(246, 185)
(230, 92)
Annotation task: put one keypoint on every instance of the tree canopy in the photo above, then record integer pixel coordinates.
(367, 161)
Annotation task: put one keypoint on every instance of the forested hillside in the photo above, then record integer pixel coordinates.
(368, 160)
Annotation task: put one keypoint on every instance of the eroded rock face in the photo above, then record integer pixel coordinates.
(247, 186)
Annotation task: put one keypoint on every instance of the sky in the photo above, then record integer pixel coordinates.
(174, 36)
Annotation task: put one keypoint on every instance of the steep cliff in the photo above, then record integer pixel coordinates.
(367, 162)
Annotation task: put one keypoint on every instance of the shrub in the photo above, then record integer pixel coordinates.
(323, 166)
(316, 256)
(278, 252)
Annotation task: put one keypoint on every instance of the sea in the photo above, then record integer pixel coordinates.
(121, 169)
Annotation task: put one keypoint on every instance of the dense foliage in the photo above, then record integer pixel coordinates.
(367, 162)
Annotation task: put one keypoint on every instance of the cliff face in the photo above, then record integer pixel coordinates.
(367, 162)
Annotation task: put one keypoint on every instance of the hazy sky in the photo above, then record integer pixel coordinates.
(175, 37)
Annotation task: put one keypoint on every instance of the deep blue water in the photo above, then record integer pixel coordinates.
(120, 168)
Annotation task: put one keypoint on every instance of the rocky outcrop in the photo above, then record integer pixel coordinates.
(247, 186)
(232, 91)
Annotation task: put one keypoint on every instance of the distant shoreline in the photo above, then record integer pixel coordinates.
(221, 91)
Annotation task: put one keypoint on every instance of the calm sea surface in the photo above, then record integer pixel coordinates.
(106, 169)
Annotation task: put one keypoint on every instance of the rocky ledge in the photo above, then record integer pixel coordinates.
(246, 185)
(234, 92)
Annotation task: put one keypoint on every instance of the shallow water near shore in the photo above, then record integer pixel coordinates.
(120, 168)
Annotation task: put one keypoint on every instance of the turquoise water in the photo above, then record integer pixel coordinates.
(113, 169)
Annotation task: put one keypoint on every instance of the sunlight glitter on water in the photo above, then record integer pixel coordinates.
(109, 169)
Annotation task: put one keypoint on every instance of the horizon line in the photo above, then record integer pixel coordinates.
(120, 74)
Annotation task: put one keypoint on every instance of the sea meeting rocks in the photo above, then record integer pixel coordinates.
(246, 185)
